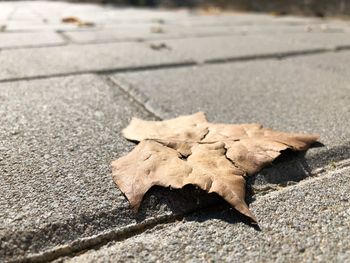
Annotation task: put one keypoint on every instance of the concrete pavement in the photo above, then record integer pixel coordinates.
(311, 226)
(67, 91)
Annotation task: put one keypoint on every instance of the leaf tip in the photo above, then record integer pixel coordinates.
(201, 116)
(135, 207)
(131, 131)
(246, 212)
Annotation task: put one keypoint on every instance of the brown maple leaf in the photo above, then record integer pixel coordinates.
(190, 150)
(77, 21)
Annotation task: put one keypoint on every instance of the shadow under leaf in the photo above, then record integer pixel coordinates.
(194, 203)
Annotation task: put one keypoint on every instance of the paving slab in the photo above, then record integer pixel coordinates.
(5, 11)
(134, 32)
(241, 19)
(105, 14)
(336, 62)
(282, 30)
(115, 31)
(24, 26)
(132, 15)
(24, 63)
(309, 222)
(15, 40)
(24, 13)
(144, 32)
(219, 48)
(46, 61)
(58, 137)
(59, 134)
(328, 40)
(280, 94)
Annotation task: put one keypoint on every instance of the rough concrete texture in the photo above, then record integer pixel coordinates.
(20, 26)
(144, 32)
(59, 134)
(280, 94)
(309, 222)
(125, 55)
(58, 139)
(287, 95)
(327, 40)
(241, 19)
(15, 40)
(286, 29)
(56, 147)
(85, 58)
(216, 48)
(336, 62)
(153, 31)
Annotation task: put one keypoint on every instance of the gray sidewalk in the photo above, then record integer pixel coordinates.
(67, 91)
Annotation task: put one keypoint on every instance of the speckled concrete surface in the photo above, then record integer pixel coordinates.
(280, 94)
(294, 95)
(57, 141)
(64, 99)
(309, 222)
(33, 39)
(55, 155)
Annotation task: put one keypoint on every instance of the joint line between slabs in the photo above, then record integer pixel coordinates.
(35, 47)
(103, 71)
(189, 63)
(64, 36)
(113, 84)
(80, 246)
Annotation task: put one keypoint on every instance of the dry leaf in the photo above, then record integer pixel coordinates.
(191, 150)
(77, 21)
(157, 30)
(159, 46)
